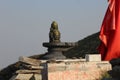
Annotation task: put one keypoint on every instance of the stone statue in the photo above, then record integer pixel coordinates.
(54, 34)
(55, 47)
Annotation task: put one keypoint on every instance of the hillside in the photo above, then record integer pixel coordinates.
(87, 45)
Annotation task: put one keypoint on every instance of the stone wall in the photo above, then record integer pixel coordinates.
(77, 70)
(69, 69)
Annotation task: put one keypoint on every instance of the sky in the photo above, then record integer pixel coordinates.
(25, 24)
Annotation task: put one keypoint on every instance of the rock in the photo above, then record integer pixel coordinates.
(23, 77)
(30, 67)
(30, 61)
(115, 72)
(28, 71)
(115, 62)
(37, 77)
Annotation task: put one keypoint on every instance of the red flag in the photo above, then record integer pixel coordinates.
(110, 32)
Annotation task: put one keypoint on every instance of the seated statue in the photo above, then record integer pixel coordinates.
(54, 34)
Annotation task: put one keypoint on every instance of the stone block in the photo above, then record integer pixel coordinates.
(37, 77)
(29, 61)
(28, 71)
(93, 57)
(24, 77)
(31, 67)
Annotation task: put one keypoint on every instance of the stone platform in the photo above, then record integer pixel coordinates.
(68, 69)
(77, 70)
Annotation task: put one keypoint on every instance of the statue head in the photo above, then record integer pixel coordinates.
(54, 25)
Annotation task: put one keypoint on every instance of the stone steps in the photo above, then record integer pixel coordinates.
(30, 70)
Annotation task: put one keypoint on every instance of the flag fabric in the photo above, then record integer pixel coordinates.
(110, 32)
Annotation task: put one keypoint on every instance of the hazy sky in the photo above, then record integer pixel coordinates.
(24, 24)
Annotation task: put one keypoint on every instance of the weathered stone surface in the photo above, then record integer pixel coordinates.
(52, 67)
(93, 57)
(37, 77)
(61, 44)
(24, 77)
(31, 67)
(36, 67)
(73, 75)
(28, 71)
(72, 69)
(72, 60)
(29, 61)
(55, 50)
(77, 70)
(55, 54)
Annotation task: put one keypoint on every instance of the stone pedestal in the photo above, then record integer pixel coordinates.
(55, 50)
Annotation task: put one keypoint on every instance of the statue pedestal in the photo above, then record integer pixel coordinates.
(55, 50)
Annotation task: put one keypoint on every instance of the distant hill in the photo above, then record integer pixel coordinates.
(87, 45)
